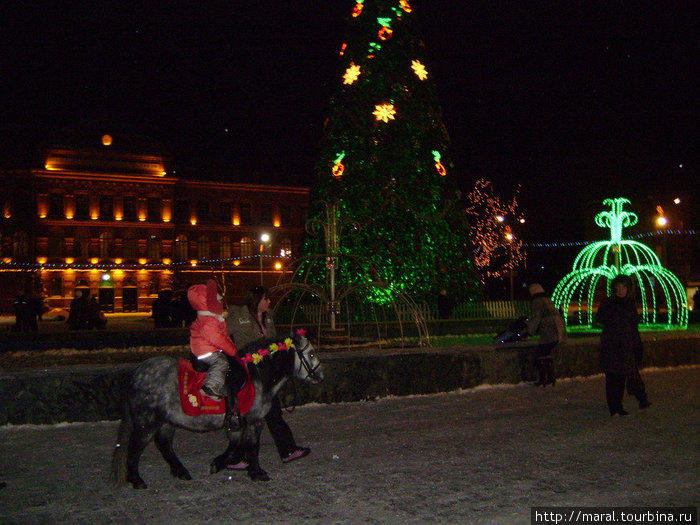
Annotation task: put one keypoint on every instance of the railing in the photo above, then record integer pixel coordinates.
(492, 310)
(402, 312)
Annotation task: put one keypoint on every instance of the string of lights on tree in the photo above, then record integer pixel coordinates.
(497, 250)
(385, 158)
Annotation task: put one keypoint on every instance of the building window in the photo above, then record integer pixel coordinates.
(56, 210)
(154, 209)
(203, 212)
(246, 247)
(181, 251)
(82, 207)
(154, 284)
(266, 215)
(56, 240)
(106, 208)
(225, 247)
(286, 215)
(82, 244)
(203, 247)
(245, 213)
(130, 209)
(225, 212)
(130, 245)
(20, 245)
(285, 247)
(105, 245)
(56, 286)
(182, 212)
(153, 248)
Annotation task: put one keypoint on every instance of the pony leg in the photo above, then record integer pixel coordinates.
(164, 442)
(140, 437)
(251, 450)
(121, 448)
(233, 454)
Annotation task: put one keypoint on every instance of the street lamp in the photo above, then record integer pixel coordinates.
(510, 239)
(264, 238)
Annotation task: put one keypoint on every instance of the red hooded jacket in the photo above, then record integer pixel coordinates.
(208, 332)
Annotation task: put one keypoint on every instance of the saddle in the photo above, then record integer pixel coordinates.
(195, 404)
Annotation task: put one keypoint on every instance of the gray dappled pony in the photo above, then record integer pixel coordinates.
(151, 410)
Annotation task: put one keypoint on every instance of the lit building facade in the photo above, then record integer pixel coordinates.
(103, 214)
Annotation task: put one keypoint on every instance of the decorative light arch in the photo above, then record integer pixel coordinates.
(663, 299)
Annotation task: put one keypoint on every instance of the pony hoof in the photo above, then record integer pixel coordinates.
(181, 474)
(261, 475)
(140, 484)
(213, 468)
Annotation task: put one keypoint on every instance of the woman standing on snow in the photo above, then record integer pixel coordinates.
(548, 322)
(621, 346)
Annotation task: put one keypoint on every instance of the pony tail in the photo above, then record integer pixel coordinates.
(121, 448)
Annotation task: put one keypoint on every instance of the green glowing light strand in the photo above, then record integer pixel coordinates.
(659, 292)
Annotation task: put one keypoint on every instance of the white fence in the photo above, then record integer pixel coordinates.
(475, 310)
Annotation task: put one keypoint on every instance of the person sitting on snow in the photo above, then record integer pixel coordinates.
(210, 341)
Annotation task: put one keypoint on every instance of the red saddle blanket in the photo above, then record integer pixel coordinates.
(195, 404)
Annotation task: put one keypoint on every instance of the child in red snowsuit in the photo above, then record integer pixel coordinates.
(210, 341)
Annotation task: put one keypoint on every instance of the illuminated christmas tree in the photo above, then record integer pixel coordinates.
(385, 161)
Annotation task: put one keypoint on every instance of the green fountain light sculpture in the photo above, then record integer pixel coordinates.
(661, 294)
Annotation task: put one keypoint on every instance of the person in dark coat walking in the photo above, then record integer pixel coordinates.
(78, 316)
(249, 323)
(96, 318)
(621, 346)
(445, 305)
(162, 310)
(23, 313)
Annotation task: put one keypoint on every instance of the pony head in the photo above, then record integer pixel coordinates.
(307, 365)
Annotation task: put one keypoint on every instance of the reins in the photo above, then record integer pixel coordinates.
(310, 371)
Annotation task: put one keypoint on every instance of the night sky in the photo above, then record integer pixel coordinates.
(576, 101)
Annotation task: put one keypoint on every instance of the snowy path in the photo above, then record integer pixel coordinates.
(479, 456)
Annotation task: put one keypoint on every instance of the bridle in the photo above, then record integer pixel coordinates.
(311, 374)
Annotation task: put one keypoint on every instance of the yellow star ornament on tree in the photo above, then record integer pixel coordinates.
(351, 74)
(419, 69)
(384, 112)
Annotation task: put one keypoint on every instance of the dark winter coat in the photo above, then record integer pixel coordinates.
(620, 344)
(244, 328)
(78, 317)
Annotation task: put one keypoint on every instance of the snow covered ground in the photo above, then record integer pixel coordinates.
(480, 456)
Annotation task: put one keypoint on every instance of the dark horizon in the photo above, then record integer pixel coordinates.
(575, 102)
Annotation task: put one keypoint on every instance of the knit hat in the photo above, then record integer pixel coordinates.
(535, 288)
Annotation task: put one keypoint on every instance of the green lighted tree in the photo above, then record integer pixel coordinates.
(384, 160)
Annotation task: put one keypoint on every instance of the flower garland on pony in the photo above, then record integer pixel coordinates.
(259, 355)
